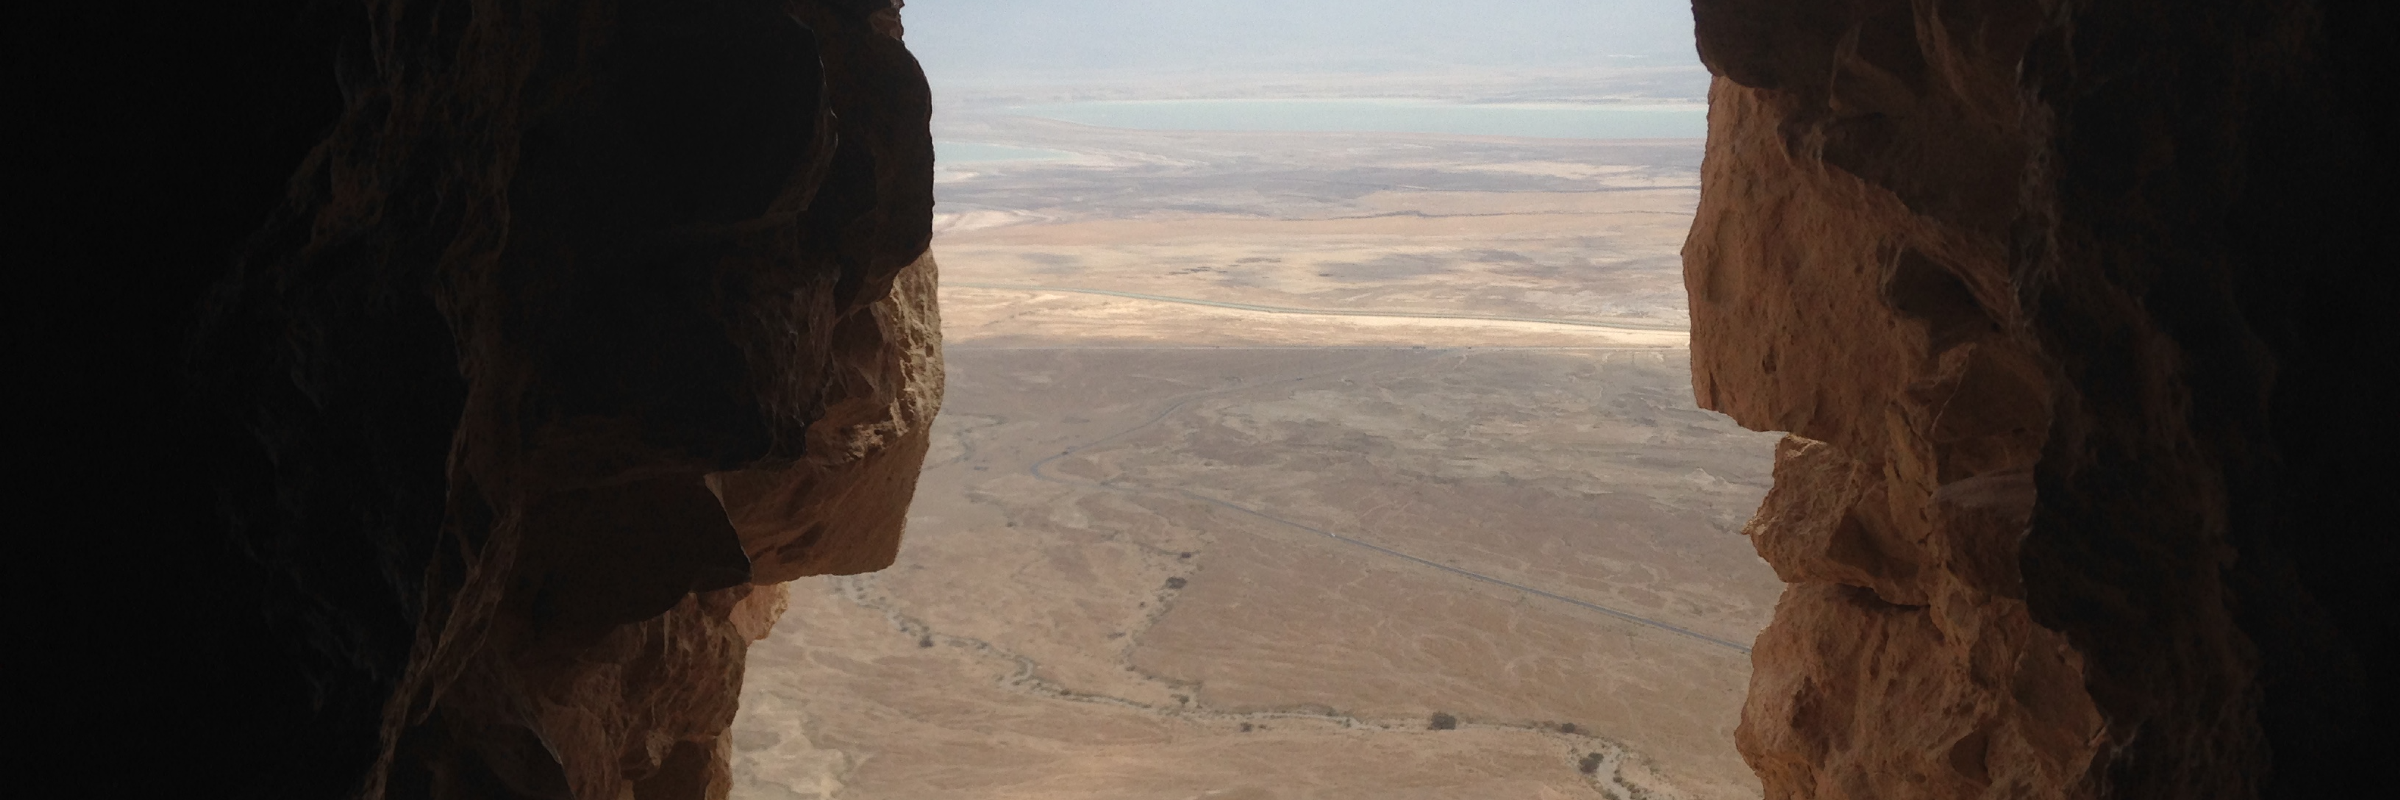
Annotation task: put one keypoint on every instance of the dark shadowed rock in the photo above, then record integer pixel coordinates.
(2068, 308)
(585, 327)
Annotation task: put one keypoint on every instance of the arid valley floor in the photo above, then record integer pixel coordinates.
(1294, 466)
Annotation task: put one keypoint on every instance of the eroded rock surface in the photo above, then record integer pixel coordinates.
(2064, 305)
(586, 326)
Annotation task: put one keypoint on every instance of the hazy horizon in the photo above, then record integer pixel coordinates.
(980, 43)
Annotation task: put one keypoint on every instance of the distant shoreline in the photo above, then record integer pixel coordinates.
(1321, 312)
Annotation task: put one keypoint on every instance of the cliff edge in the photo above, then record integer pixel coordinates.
(584, 328)
(2064, 306)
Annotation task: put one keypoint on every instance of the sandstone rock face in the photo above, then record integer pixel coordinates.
(585, 327)
(839, 509)
(2061, 303)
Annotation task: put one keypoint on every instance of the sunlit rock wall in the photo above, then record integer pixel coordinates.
(587, 325)
(2075, 312)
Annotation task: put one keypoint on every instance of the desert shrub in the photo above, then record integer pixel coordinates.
(1590, 764)
(1442, 721)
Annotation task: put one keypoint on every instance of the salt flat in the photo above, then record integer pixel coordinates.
(1170, 549)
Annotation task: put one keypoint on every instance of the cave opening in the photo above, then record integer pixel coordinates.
(1315, 419)
(428, 397)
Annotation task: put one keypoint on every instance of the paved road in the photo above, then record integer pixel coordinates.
(1038, 473)
(1318, 312)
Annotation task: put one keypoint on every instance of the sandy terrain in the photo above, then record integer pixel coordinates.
(1029, 316)
(1534, 228)
(1182, 537)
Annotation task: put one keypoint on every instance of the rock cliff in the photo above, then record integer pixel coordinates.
(2073, 311)
(579, 328)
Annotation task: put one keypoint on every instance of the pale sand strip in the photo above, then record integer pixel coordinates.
(979, 312)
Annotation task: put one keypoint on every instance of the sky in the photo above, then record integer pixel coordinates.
(1038, 41)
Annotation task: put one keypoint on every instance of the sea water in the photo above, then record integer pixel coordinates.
(973, 152)
(1541, 120)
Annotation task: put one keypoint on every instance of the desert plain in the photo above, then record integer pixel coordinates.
(1293, 465)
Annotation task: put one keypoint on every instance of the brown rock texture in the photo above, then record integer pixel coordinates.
(2065, 305)
(840, 507)
(586, 326)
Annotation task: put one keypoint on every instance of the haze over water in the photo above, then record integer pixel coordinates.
(1561, 69)
(968, 43)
